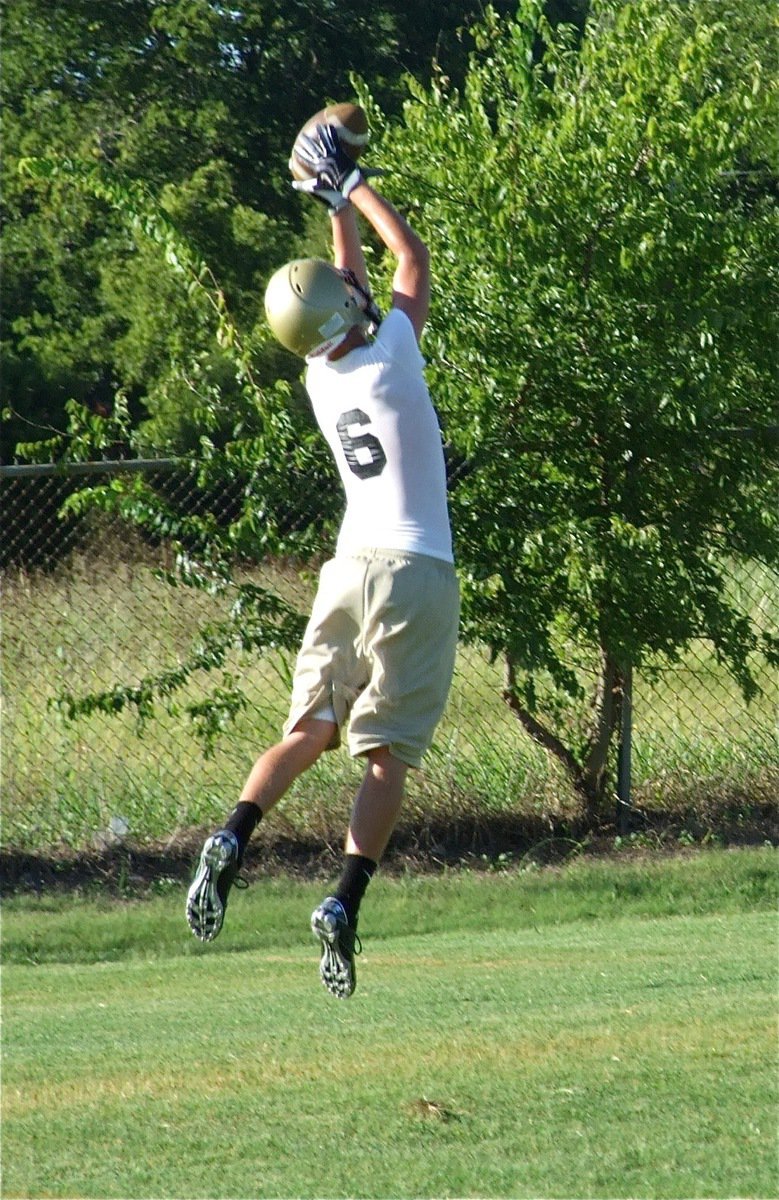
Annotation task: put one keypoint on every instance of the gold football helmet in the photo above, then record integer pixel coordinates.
(311, 307)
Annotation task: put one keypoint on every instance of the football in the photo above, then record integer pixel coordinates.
(352, 125)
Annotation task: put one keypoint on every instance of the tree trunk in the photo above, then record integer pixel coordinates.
(588, 775)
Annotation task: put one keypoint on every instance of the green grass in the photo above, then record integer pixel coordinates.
(606, 1030)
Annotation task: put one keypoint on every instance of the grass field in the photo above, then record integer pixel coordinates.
(605, 1030)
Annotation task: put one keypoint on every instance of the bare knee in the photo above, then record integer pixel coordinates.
(278, 767)
(384, 766)
(310, 737)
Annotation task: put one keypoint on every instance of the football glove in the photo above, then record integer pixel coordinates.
(333, 201)
(331, 167)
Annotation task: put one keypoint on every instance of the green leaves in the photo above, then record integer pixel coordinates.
(260, 621)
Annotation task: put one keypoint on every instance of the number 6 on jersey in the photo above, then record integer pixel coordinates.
(364, 452)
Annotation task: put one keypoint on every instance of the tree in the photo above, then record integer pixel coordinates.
(602, 345)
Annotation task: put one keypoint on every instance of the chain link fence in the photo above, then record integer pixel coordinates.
(87, 606)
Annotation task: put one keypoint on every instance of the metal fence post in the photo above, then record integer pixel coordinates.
(624, 752)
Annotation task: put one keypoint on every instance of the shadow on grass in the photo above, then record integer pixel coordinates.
(127, 868)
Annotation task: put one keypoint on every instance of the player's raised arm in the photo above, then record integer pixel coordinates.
(347, 245)
(335, 176)
(411, 282)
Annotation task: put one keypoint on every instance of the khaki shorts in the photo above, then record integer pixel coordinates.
(379, 651)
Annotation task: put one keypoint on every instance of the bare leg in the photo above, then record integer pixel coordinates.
(377, 805)
(374, 815)
(270, 777)
(277, 768)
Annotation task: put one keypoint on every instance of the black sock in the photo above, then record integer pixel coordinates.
(242, 822)
(357, 874)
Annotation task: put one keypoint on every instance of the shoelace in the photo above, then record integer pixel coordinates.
(356, 947)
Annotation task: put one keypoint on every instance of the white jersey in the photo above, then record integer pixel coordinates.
(374, 409)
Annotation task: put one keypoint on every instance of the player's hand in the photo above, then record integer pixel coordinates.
(334, 201)
(331, 167)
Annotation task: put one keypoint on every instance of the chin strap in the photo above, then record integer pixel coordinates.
(371, 311)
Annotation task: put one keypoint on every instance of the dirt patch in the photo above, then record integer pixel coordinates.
(130, 869)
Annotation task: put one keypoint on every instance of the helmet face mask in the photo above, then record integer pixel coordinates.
(311, 307)
(363, 299)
